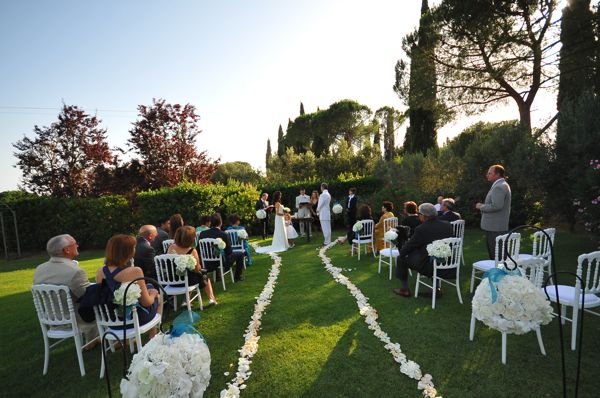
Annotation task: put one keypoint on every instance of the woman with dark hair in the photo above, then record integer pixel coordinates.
(176, 221)
(363, 213)
(185, 240)
(119, 269)
(411, 218)
(204, 224)
(280, 240)
(386, 209)
(235, 224)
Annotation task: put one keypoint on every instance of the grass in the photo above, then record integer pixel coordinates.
(314, 342)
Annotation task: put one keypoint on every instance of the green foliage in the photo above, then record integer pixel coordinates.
(587, 199)
(239, 171)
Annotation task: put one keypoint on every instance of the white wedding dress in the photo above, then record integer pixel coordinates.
(280, 239)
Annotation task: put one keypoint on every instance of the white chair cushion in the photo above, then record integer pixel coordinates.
(129, 332)
(484, 265)
(525, 256)
(366, 239)
(389, 252)
(174, 291)
(60, 333)
(567, 296)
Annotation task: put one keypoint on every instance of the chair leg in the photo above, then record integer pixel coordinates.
(472, 280)
(379, 270)
(358, 252)
(175, 303)
(199, 298)
(563, 311)
(417, 285)
(538, 332)
(472, 327)
(131, 347)
(433, 291)
(79, 347)
(373, 249)
(46, 352)
(504, 348)
(574, 328)
(223, 279)
(391, 267)
(102, 357)
(188, 305)
(457, 284)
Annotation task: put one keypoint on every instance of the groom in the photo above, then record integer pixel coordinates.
(324, 214)
(263, 204)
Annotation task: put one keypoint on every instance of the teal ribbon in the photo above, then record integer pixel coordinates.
(182, 324)
(494, 276)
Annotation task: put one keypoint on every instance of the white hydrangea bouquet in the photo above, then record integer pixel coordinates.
(510, 303)
(390, 236)
(357, 227)
(220, 243)
(169, 366)
(133, 296)
(242, 234)
(337, 208)
(184, 263)
(439, 249)
(261, 214)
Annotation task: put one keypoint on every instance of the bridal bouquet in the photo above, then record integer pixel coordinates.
(133, 294)
(439, 249)
(220, 243)
(184, 263)
(510, 303)
(242, 234)
(261, 214)
(358, 226)
(169, 366)
(337, 208)
(390, 235)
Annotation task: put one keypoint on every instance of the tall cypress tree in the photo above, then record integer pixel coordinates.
(389, 144)
(301, 109)
(269, 154)
(280, 142)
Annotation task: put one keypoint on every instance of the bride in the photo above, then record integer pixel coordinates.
(280, 241)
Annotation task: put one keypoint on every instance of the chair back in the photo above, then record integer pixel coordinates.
(166, 243)
(458, 227)
(588, 268)
(166, 270)
(54, 305)
(541, 244)
(237, 244)
(198, 237)
(390, 223)
(107, 316)
(533, 269)
(513, 243)
(367, 230)
(208, 250)
(454, 260)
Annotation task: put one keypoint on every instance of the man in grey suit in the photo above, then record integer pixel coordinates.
(62, 270)
(495, 211)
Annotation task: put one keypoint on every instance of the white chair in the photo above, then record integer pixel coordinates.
(172, 282)
(453, 262)
(210, 254)
(390, 251)
(513, 243)
(532, 269)
(56, 314)
(588, 269)
(166, 243)
(541, 247)
(459, 232)
(237, 244)
(364, 237)
(107, 320)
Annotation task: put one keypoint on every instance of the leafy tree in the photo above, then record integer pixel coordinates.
(269, 154)
(239, 171)
(120, 178)
(281, 141)
(165, 140)
(61, 159)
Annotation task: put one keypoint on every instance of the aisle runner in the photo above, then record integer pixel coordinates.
(408, 367)
(251, 336)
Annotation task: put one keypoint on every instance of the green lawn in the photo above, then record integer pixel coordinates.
(313, 340)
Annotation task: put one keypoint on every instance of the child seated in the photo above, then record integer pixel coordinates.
(291, 231)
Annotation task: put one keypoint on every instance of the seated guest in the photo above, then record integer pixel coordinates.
(175, 221)
(386, 209)
(204, 224)
(438, 205)
(411, 219)
(117, 270)
(162, 233)
(62, 270)
(448, 213)
(414, 255)
(230, 257)
(234, 223)
(185, 239)
(144, 252)
(363, 213)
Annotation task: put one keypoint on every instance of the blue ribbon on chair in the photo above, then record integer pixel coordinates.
(182, 324)
(494, 276)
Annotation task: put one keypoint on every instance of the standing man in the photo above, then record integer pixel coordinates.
(351, 202)
(324, 213)
(144, 252)
(303, 207)
(162, 233)
(495, 212)
(263, 204)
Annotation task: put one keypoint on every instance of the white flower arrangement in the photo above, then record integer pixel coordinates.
(408, 367)
(390, 235)
(169, 367)
(439, 249)
(337, 208)
(286, 210)
(242, 234)
(220, 243)
(133, 294)
(261, 214)
(184, 263)
(519, 308)
(358, 226)
(251, 336)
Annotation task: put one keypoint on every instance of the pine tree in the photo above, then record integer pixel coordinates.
(280, 142)
(301, 109)
(268, 157)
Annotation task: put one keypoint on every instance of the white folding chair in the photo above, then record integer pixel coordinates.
(513, 244)
(453, 262)
(237, 244)
(108, 320)
(175, 284)
(166, 243)
(56, 314)
(364, 237)
(532, 269)
(390, 251)
(588, 269)
(210, 254)
(459, 232)
(541, 247)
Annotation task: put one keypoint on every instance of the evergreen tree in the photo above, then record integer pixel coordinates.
(268, 157)
(280, 141)
(301, 109)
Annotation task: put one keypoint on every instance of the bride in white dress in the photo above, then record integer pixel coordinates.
(280, 240)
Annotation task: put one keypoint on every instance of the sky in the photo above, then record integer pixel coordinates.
(245, 65)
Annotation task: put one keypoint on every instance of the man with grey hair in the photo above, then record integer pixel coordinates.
(62, 270)
(447, 210)
(325, 214)
(144, 252)
(414, 255)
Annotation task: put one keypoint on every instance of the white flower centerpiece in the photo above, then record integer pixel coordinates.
(169, 366)
(133, 296)
(439, 250)
(184, 263)
(337, 208)
(261, 214)
(390, 235)
(220, 244)
(242, 234)
(357, 227)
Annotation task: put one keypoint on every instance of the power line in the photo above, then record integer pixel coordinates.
(33, 108)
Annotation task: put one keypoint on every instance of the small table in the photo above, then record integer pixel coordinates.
(307, 222)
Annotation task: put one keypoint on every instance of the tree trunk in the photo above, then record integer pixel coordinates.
(525, 117)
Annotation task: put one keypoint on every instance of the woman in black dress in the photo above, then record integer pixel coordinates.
(411, 218)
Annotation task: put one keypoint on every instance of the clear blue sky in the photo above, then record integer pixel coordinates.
(245, 65)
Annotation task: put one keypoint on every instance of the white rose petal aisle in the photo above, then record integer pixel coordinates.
(251, 336)
(408, 367)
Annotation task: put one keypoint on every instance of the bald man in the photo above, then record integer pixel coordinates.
(144, 252)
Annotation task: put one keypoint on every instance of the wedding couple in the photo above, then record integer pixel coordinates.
(280, 239)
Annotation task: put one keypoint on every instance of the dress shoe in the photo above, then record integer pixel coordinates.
(438, 294)
(402, 292)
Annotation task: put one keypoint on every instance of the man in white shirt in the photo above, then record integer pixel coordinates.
(438, 205)
(303, 208)
(324, 213)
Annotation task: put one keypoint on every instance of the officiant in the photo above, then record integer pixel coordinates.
(303, 206)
